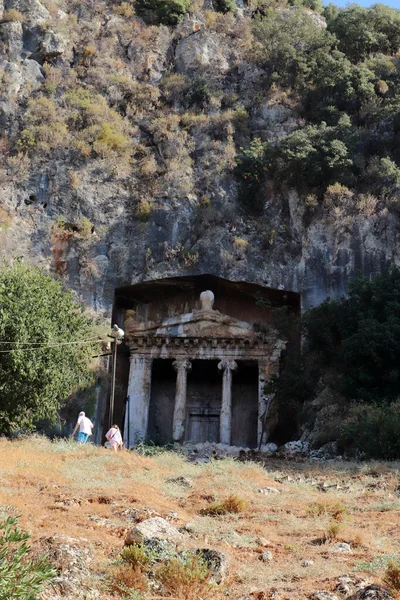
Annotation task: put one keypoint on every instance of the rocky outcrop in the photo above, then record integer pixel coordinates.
(155, 528)
(170, 207)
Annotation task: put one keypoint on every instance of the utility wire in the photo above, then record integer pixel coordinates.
(44, 347)
(36, 343)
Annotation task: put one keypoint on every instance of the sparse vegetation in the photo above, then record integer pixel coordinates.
(12, 14)
(231, 505)
(186, 578)
(278, 522)
(22, 575)
(392, 576)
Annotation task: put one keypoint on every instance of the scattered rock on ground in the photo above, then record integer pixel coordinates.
(296, 447)
(267, 556)
(372, 592)
(270, 448)
(341, 547)
(183, 481)
(307, 563)
(270, 490)
(71, 557)
(155, 528)
(321, 595)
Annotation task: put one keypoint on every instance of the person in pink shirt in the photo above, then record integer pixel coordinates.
(113, 435)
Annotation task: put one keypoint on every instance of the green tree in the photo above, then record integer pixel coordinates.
(359, 336)
(166, 12)
(362, 32)
(21, 577)
(285, 42)
(42, 357)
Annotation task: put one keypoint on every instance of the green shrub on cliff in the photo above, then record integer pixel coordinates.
(165, 12)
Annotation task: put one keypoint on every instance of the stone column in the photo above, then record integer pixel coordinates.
(139, 388)
(225, 419)
(181, 367)
(263, 378)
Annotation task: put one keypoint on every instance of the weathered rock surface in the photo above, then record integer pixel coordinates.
(372, 592)
(155, 528)
(194, 220)
(72, 559)
(295, 447)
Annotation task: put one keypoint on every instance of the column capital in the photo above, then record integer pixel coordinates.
(182, 364)
(226, 365)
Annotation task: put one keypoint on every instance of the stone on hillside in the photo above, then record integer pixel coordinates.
(204, 50)
(71, 558)
(183, 481)
(270, 448)
(296, 447)
(155, 528)
(372, 592)
(34, 12)
(321, 595)
(341, 547)
(11, 34)
(52, 45)
(269, 490)
(307, 563)
(267, 556)
(325, 452)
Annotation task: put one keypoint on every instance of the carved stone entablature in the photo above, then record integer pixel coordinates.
(199, 326)
(152, 341)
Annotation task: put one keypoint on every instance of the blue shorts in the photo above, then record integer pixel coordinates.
(82, 437)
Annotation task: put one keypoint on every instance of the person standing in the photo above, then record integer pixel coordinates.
(114, 437)
(85, 427)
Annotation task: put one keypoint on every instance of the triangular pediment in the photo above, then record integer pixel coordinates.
(199, 323)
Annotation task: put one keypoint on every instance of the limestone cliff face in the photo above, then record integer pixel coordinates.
(157, 198)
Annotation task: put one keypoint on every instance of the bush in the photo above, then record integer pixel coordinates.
(125, 9)
(186, 578)
(392, 576)
(136, 556)
(359, 337)
(374, 430)
(166, 12)
(231, 505)
(21, 575)
(225, 6)
(12, 15)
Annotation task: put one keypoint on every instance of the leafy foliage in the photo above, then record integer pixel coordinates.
(362, 31)
(42, 360)
(374, 429)
(21, 575)
(346, 80)
(360, 337)
(166, 12)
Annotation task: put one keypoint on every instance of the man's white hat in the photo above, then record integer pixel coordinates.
(81, 414)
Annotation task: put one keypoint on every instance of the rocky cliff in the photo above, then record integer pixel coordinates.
(118, 150)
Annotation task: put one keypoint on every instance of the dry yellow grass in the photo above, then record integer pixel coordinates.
(84, 491)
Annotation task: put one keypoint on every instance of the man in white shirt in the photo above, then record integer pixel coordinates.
(85, 426)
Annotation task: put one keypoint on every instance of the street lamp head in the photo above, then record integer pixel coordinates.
(117, 333)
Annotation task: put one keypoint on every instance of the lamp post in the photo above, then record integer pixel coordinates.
(117, 334)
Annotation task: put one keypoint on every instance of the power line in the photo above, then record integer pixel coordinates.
(36, 343)
(44, 347)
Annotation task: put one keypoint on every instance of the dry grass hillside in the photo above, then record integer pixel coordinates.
(282, 542)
